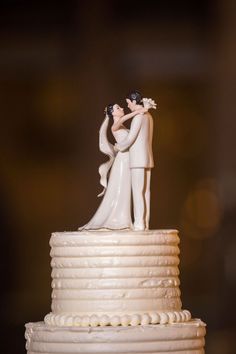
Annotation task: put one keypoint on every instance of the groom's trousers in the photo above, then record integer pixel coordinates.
(140, 181)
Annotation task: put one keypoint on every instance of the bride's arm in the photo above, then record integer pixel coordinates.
(126, 117)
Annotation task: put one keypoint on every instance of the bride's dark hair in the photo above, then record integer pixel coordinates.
(109, 109)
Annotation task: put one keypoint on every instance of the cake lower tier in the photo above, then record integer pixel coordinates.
(177, 338)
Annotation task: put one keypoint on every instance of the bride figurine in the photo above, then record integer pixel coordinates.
(114, 211)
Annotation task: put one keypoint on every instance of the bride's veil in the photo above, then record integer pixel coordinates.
(107, 149)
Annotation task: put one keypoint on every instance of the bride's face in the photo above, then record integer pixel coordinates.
(118, 111)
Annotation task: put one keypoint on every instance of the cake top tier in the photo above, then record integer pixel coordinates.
(115, 278)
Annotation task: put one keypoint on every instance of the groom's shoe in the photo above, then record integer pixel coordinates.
(138, 227)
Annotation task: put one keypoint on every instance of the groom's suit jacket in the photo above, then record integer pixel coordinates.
(139, 141)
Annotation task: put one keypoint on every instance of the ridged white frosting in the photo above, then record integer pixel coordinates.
(115, 278)
(179, 338)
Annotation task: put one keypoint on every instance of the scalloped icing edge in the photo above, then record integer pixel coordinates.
(66, 320)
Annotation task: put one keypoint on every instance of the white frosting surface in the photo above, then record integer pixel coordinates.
(179, 338)
(115, 277)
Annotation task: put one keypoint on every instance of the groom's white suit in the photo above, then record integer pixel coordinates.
(139, 143)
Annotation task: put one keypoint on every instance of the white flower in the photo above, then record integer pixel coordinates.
(149, 103)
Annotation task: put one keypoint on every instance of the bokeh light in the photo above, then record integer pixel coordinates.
(202, 210)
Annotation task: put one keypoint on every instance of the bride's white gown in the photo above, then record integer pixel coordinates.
(114, 212)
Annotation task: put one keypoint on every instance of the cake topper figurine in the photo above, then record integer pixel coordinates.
(129, 167)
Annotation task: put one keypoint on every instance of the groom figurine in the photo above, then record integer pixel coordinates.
(139, 143)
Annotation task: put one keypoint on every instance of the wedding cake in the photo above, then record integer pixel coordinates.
(115, 282)
(116, 292)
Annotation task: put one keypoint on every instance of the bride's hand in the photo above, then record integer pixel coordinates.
(142, 110)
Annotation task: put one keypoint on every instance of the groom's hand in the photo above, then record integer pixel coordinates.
(116, 147)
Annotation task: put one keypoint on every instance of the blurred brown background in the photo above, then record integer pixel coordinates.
(61, 63)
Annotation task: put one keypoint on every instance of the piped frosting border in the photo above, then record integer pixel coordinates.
(117, 320)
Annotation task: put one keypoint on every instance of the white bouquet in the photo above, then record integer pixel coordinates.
(149, 103)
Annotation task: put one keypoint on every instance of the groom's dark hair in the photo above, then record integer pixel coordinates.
(135, 96)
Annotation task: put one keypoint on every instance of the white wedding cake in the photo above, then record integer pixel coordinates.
(116, 292)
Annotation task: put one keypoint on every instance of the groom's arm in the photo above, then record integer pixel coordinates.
(133, 133)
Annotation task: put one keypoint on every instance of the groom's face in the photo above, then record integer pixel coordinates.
(131, 104)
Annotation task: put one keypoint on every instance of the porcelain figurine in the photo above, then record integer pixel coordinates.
(129, 167)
